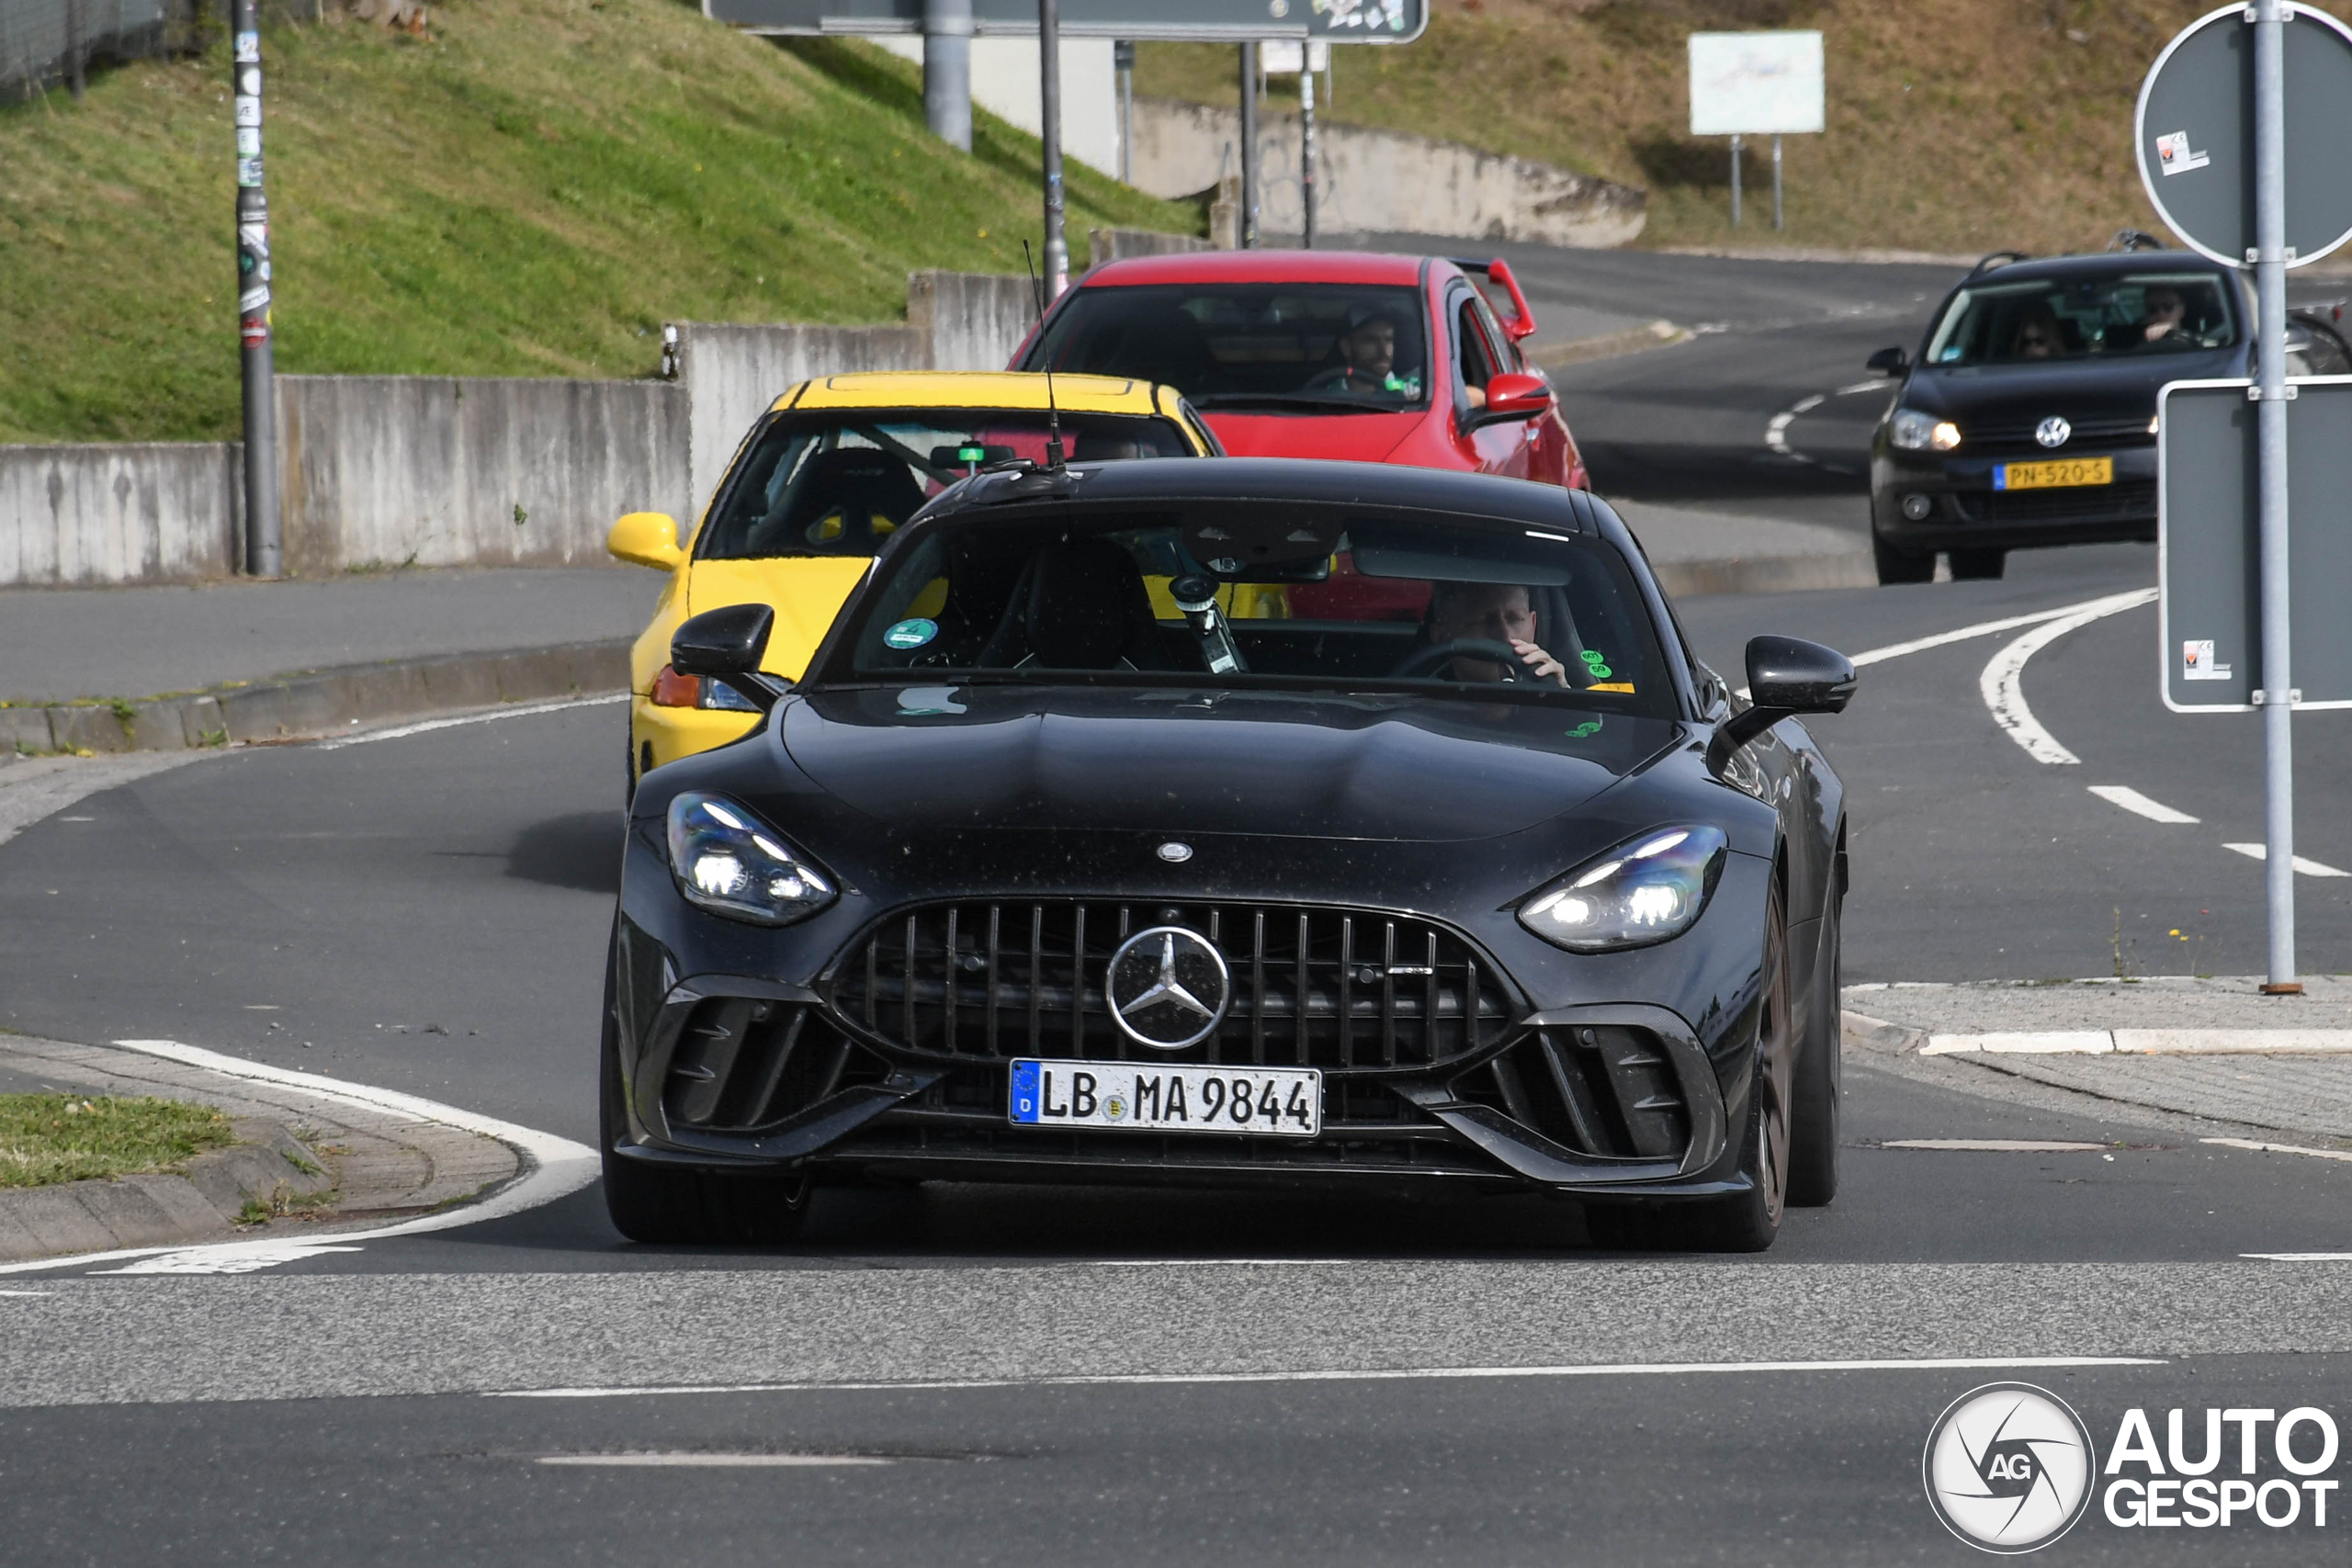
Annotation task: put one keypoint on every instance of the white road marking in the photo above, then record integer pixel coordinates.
(1806, 405)
(1993, 1147)
(2308, 867)
(24, 1292)
(2133, 800)
(1776, 436)
(2145, 1042)
(2301, 1256)
(2259, 1146)
(1869, 386)
(552, 1166)
(2002, 682)
(244, 1258)
(716, 1461)
(402, 731)
(1394, 1374)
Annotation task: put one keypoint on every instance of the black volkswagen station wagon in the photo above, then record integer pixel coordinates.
(2028, 417)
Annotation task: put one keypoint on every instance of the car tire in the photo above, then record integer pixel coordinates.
(1748, 1221)
(1812, 1133)
(1901, 566)
(1977, 566)
(666, 1205)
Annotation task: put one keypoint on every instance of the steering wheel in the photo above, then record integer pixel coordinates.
(1428, 660)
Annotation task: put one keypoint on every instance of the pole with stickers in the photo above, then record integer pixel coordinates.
(264, 554)
(2238, 132)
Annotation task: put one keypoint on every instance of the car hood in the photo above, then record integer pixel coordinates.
(2117, 389)
(1347, 438)
(1272, 764)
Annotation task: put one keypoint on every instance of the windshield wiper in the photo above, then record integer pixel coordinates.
(1290, 401)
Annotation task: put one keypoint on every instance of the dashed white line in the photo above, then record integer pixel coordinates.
(2133, 801)
(2307, 867)
(715, 1461)
(2259, 1146)
(2002, 682)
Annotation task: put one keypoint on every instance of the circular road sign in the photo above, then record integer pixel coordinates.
(2194, 133)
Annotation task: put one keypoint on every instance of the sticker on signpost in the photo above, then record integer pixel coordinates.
(2173, 156)
(2197, 661)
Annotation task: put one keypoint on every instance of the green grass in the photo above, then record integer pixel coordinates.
(46, 1138)
(530, 190)
(1953, 125)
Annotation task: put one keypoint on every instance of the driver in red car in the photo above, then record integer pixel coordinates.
(1367, 352)
(1489, 611)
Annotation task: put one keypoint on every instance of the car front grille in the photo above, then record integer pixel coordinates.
(2075, 503)
(1609, 1091)
(2087, 434)
(1343, 990)
(743, 1063)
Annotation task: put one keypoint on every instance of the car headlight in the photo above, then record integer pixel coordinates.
(1916, 432)
(728, 861)
(1644, 890)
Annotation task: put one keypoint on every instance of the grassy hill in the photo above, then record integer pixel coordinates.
(1953, 125)
(530, 188)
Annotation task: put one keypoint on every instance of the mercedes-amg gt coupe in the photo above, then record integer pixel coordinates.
(1414, 852)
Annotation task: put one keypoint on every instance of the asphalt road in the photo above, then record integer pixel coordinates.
(1121, 1377)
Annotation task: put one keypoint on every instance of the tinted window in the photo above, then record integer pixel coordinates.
(1304, 597)
(1233, 345)
(2057, 318)
(839, 484)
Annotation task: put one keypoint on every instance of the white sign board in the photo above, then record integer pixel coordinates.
(1755, 84)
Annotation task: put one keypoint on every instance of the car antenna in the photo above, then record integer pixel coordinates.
(1054, 457)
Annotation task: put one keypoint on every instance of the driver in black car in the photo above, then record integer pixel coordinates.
(1489, 611)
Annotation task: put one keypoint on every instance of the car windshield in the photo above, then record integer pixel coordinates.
(1319, 347)
(1251, 596)
(2082, 318)
(838, 484)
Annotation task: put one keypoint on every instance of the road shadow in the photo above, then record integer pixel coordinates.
(581, 851)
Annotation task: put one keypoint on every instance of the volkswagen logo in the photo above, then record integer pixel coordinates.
(2009, 1468)
(1168, 988)
(2053, 431)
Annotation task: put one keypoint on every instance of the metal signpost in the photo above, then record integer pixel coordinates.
(1746, 84)
(2241, 130)
(1049, 120)
(263, 557)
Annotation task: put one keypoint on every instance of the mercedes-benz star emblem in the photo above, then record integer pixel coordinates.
(1168, 988)
(2053, 432)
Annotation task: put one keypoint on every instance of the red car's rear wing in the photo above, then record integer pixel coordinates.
(1510, 305)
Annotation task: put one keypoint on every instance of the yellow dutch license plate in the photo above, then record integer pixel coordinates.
(2059, 475)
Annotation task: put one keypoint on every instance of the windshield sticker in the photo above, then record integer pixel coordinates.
(925, 702)
(1590, 727)
(1596, 665)
(911, 633)
(1404, 386)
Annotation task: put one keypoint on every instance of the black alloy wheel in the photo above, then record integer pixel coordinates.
(1812, 1143)
(662, 1205)
(1901, 566)
(1977, 566)
(1746, 1222)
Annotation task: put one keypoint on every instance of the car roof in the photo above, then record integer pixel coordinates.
(1020, 390)
(2102, 264)
(1258, 266)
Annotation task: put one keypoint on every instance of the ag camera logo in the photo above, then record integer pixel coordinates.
(2008, 1468)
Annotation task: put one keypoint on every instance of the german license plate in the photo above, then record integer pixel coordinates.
(1143, 1098)
(2060, 474)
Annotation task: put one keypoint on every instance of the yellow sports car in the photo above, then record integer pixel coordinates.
(832, 467)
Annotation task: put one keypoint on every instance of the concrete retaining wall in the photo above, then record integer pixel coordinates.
(1381, 181)
(143, 512)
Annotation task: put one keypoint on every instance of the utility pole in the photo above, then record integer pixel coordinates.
(2277, 696)
(1123, 56)
(947, 71)
(1249, 224)
(1049, 103)
(1306, 151)
(1735, 182)
(263, 555)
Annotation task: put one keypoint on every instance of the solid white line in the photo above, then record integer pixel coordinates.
(2133, 800)
(552, 1166)
(1863, 387)
(2308, 867)
(1995, 1147)
(716, 1461)
(2002, 682)
(2301, 1256)
(1412, 1374)
(1963, 634)
(2262, 1148)
(402, 732)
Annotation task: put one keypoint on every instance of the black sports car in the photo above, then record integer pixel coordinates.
(2029, 418)
(1233, 821)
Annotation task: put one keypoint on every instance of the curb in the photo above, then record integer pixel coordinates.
(1609, 345)
(317, 702)
(1764, 574)
(204, 1202)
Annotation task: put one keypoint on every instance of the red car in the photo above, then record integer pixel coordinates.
(1325, 354)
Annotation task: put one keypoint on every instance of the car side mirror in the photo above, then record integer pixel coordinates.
(1889, 361)
(646, 538)
(726, 645)
(1509, 397)
(1786, 676)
